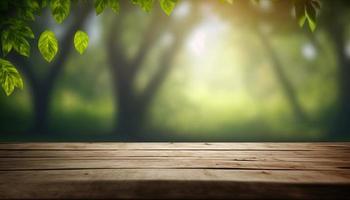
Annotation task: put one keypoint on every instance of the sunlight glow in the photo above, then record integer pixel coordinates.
(182, 10)
(94, 30)
(198, 43)
(206, 34)
(266, 5)
(347, 50)
(309, 51)
(215, 61)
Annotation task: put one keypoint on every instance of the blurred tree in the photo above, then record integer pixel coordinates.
(132, 105)
(335, 18)
(274, 18)
(286, 85)
(42, 87)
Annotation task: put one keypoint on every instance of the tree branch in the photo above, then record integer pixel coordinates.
(153, 32)
(117, 59)
(180, 32)
(286, 85)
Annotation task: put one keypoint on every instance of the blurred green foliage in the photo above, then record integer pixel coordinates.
(223, 86)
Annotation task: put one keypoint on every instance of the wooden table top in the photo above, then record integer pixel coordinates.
(175, 170)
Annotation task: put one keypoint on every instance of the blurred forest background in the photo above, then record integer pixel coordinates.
(209, 72)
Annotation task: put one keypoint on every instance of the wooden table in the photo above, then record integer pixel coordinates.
(175, 170)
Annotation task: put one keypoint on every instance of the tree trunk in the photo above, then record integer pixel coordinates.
(42, 88)
(132, 106)
(284, 82)
(130, 114)
(336, 31)
(41, 99)
(130, 120)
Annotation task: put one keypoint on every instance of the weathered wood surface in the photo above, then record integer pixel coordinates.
(175, 170)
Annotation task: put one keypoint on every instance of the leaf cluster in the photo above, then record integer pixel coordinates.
(306, 11)
(16, 32)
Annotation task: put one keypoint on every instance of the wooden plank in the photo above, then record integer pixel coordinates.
(175, 170)
(336, 154)
(169, 164)
(276, 176)
(170, 184)
(314, 156)
(160, 158)
(171, 146)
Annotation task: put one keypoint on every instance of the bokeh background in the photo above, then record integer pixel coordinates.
(209, 72)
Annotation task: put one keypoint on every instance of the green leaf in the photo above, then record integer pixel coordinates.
(26, 14)
(60, 9)
(312, 24)
(14, 37)
(44, 3)
(168, 5)
(310, 12)
(146, 5)
(81, 41)
(33, 5)
(9, 77)
(300, 13)
(27, 9)
(302, 20)
(114, 5)
(6, 42)
(26, 32)
(100, 5)
(306, 11)
(22, 46)
(48, 45)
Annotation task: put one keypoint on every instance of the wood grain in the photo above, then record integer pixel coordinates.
(174, 170)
